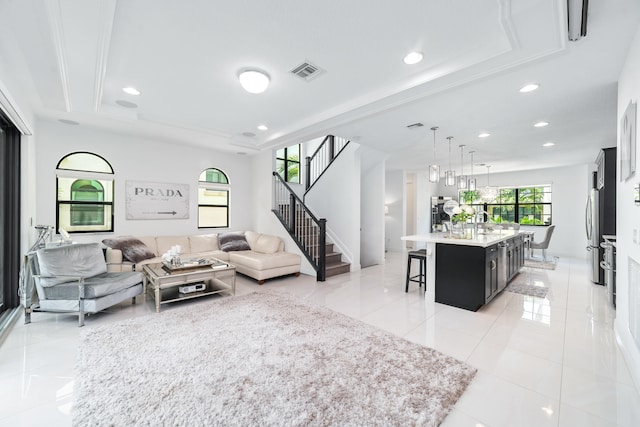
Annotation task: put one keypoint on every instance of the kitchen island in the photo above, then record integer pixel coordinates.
(468, 273)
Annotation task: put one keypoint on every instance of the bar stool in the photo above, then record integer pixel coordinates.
(421, 256)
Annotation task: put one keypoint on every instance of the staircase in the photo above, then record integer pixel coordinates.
(307, 231)
(334, 264)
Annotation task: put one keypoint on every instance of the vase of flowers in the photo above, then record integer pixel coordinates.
(461, 215)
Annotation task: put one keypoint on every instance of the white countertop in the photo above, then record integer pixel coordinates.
(482, 240)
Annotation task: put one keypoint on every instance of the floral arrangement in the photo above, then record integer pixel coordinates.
(462, 213)
(172, 256)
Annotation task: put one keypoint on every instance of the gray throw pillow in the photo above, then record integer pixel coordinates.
(233, 242)
(132, 249)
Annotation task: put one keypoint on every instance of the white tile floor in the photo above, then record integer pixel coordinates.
(541, 362)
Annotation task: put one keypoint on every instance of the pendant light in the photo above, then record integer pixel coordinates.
(450, 175)
(472, 180)
(488, 194)
(434, 168)
(462, 178)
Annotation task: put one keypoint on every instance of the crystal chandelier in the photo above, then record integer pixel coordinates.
(488, 194)
(434, 169)
(472, 180)
(462, 178)
(450, 175)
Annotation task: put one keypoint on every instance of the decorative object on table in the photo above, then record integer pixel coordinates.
(448, 208)
(434, 168)
(488, 194)
(319, 367)
(190, 264)
(450, 175)
(172, 256)
(462, 178)
(628, 142)
(461, 214)
(472, 179)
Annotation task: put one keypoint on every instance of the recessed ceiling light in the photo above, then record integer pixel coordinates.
(541, 124)
(248, 134)
(413, 58)
(483, 135)
(254, 81)
(549, 144)
(529, 88)
(263, 127)
(131, 90)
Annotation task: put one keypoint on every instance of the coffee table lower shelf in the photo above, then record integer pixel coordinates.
(164, 286)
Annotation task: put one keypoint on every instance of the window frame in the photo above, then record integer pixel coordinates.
(107, 202)
(288, 162)
(517, 205)
(214, 186)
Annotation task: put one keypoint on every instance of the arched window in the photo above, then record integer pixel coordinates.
(85, 193)
(213, 199)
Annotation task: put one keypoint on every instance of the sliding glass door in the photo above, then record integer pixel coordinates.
(9, 215)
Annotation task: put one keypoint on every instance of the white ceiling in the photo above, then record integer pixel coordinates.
(74, 56)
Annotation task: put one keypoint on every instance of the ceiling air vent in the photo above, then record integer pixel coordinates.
(415, 125)
(307, 71)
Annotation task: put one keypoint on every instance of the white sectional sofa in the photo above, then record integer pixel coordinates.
(264, 258)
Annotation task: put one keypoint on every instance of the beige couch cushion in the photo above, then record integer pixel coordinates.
(264, 243)
(166, 242)
(203, 243)
(260, 261)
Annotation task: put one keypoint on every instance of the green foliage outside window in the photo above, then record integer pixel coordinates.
(524, 205)
(288, 163)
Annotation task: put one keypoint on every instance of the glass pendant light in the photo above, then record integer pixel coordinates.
(434, 168)
(450, 175)
(488, 194)
(472, 180)
(462, 178)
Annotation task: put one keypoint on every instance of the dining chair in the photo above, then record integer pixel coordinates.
(544, 244)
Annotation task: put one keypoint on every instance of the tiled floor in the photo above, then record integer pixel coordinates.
(541, 362)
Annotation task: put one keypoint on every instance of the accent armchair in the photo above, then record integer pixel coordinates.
(544, 244)
(74, 279)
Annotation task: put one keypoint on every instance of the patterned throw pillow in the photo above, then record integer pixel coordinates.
(233, 242)
(132, 249)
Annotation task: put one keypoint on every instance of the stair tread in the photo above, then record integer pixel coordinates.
(337, 264)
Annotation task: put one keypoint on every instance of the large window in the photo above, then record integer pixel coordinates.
(213, 199)
(288, 163)
(85, 193)
(524, 205)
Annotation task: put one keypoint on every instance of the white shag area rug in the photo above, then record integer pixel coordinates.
(263, 359)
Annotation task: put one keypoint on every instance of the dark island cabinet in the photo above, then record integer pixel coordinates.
(470, 276)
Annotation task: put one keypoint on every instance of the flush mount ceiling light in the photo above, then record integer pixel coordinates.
(483, 135)
(254, 81)
(548, 144)
(529, 88)
(263, 127)
(413, 58)
(131, 90)
(541, 124)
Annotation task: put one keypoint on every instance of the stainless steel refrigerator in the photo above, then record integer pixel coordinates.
(593, 233)
(600, 213)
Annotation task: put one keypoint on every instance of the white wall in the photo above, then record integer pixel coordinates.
(627, 218)
(336, 197)
(134, 158)
(570, 187)
(395, 220)
(372, 195)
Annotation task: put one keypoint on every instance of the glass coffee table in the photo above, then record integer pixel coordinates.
(188, 280)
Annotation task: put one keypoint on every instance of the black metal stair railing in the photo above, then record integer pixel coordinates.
(319, 161)
(307, 231)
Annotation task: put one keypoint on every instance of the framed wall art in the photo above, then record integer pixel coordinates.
(156, 200)
(628, 142)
